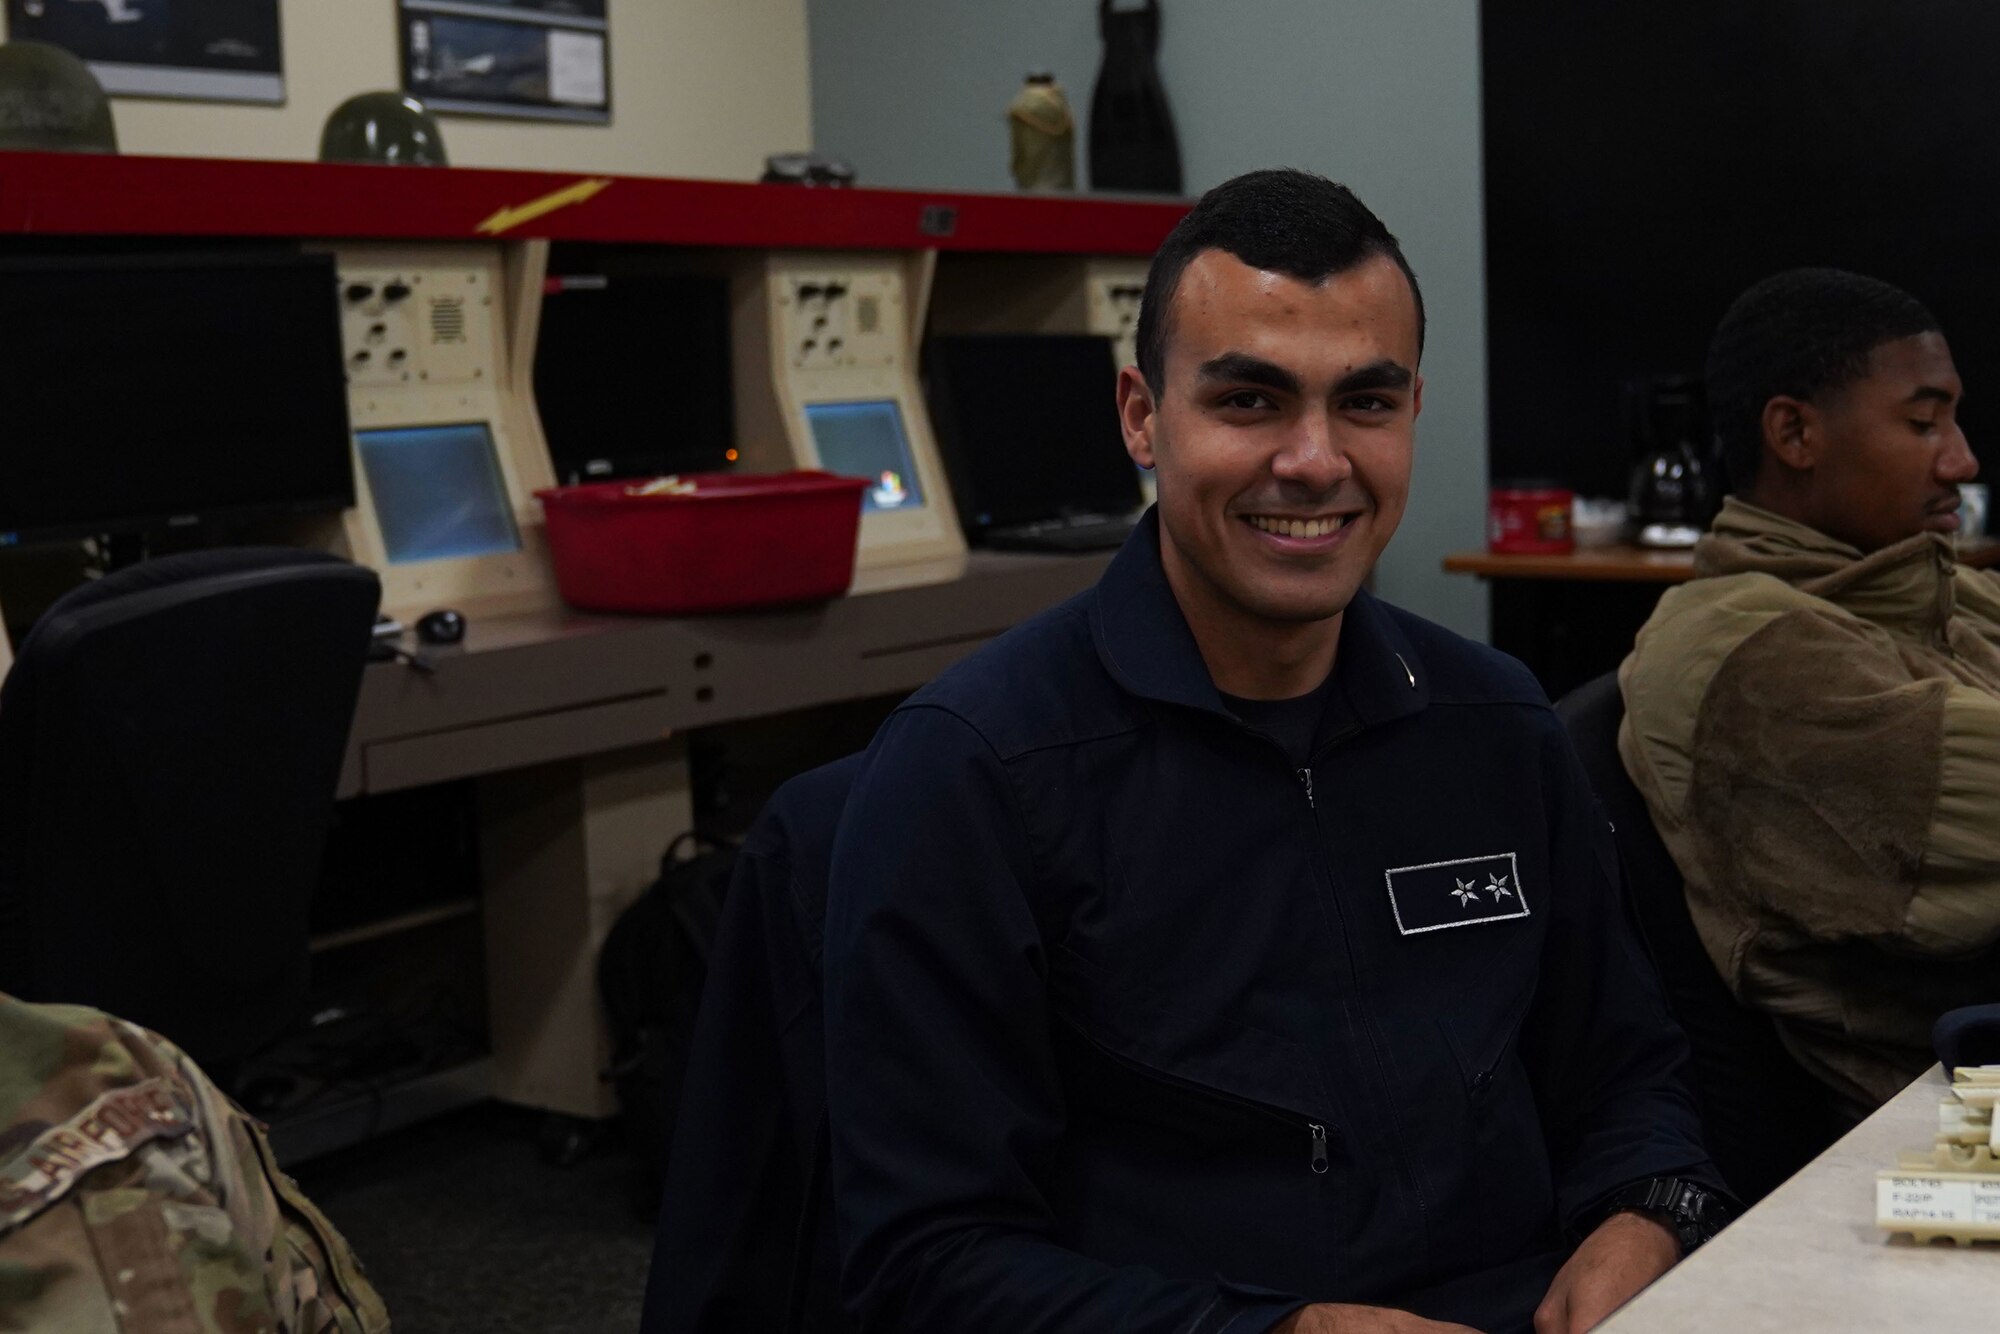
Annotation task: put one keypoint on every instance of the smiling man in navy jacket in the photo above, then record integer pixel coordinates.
(1227, 949)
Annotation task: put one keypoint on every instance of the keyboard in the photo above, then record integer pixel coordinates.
(1095, 533)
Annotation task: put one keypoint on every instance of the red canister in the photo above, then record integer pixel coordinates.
(1529, 519)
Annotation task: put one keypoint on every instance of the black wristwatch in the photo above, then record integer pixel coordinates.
(1694, 1212)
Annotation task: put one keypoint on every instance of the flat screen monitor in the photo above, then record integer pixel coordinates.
(143, 392)
(632, 374)
(1028, 425)
(438, 492)
(867, 440)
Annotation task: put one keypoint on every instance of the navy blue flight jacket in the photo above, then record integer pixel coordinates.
(1132, 1026)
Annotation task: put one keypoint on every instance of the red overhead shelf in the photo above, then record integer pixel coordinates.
(79, 194)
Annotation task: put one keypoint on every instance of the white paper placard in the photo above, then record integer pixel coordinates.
(576, 67)
(1908, 1200)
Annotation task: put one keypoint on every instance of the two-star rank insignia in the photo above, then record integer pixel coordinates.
(1464, 891)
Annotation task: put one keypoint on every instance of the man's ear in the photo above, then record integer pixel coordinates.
(1793, 432)
(1137, 415)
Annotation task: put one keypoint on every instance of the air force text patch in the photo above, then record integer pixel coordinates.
(117, 1125)
(1469, 890)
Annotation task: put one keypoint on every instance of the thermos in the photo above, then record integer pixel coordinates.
(1044, 135)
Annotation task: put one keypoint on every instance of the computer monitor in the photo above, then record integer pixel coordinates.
(152, 391)
(632, 373)
(867, 440)
(438, 492)
(1028, 426)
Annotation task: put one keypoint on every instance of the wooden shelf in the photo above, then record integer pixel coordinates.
(86, 194)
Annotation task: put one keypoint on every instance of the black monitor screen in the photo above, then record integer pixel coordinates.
(867, 440)
(632, 374)
(137, 392)
(438, 492)
(1029, 426)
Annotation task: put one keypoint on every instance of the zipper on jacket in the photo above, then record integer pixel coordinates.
(1316, 1129)
(1324, 864)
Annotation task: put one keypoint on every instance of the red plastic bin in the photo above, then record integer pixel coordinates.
(740, 540)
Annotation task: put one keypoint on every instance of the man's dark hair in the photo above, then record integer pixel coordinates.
(1803, 333)
(1281, 220)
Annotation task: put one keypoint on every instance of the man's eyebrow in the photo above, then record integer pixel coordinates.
(1382, 374)
(1242, 368)
(1933, 394)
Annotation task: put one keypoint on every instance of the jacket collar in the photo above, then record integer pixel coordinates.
(1145, 644)
(1910, 583)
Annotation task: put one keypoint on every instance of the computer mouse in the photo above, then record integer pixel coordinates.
(443, 626)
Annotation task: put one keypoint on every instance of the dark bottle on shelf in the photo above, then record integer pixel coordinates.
(1132, 141)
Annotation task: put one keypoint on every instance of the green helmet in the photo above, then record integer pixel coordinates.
(390, 128)
(50, 100)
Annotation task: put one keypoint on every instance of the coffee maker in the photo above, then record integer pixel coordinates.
(1673, 491)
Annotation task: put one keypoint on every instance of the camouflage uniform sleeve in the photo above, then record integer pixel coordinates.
(136, 1198)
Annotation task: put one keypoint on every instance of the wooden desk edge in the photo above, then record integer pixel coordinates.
(1621, 563)
(1639, 565)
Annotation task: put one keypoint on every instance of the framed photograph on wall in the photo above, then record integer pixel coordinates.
(535, 59)
(204, 50)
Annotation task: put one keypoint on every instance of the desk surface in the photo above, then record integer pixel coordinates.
(1809, 1257)
(557, 684)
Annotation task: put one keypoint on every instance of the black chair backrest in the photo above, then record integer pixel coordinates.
(170, 741)
(746, 1236)
(1765, 1116)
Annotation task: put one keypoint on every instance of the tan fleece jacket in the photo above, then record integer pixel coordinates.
(1817, 734)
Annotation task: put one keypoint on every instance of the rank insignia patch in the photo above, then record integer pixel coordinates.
(1438, 895)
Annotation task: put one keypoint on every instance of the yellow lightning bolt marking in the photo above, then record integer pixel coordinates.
(508, 218)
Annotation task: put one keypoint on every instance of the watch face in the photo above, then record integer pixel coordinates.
(1700, 1215)
(1694, 1212)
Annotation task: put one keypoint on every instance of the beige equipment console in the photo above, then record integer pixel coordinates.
(1051, 294)
(448, 450)
(826, 377)
(1113, 289)
(1045, 294)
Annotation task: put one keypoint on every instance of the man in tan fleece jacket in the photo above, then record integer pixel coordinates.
(1815, 720)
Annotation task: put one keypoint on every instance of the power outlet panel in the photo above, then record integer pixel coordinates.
(417, 326)
(838, 319)
(1113, 291)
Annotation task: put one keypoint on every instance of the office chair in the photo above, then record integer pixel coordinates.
(170, 741)
(746, 1239)
(1765, 1116)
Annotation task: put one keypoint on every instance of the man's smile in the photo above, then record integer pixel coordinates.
(1315, 532)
